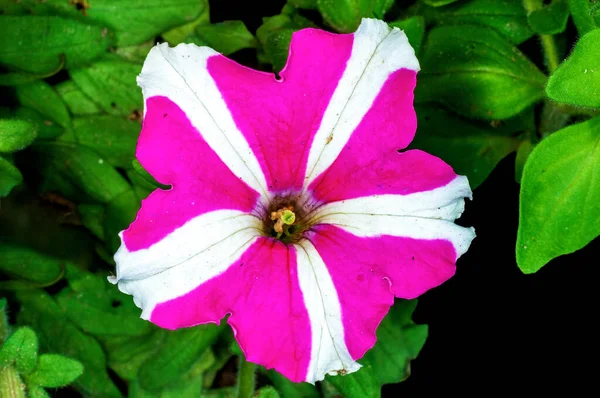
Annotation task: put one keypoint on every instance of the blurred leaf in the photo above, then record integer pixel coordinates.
(414, 28)
(55, 371)
(577, 80)
(10, 177)
(35, 44)
(226, 37)
(277, 47)
(582, 15)
(21, 349)
(289, 389)
(523, 153)
(508, 17)
(29, 265)
(16, 134)
(177, 354)
(476, 73)
(151, 183)
(306, 4)
(120, 212)
(111, 82)
(179, 34)
(4, 325)
(345, 15)
(58, 334)
(82, 167)
(77, 102)
(267, 392)
(45, 128)
(16, 78)
(399, 341)
(102, 309)
(40, 96)
(37, 392)
(136, 54)
(470, 150)
(550, 19)
(559, 211)
(438, 3)
(134, 23)
(92, 217)
(112, 137)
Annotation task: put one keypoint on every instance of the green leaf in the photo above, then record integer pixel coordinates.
(559, 211)
(345, 15)
(178, 353)
(111, 137)
(36, 43)
(523, 153)
(470, 149)
(58, 334)
(40, 96)
(399, 341)
(111, 82)
(120, 212)
(508, 17)
(414, 28)
(438, 3)
(476, 73)
(45, 128)
(16, 78)
(4, 324)
(582, 15)
(92, 217)
(78, 103)
(37, 392)
(136, 54)
(55, 371)
(21, 349)
(306, 4)
(29, 265)
(10, 177)
(290, 389)
(16, 134)
(550, 19)
(151, 183)
(266, 392)
(138, 21)
(179, 34)
(226, 37)
(83, 168)
(101, 309)
(577, 80)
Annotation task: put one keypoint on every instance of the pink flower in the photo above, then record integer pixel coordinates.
(291, 208)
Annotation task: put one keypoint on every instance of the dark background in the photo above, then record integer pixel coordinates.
(492, 328)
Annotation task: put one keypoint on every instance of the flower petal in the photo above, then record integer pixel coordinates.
(172, 150)
(279, 118)
(181, 75)
(261, 292)
(379, 77)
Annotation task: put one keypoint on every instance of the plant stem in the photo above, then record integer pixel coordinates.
(246, 378)
(11, 385)
(550, 51)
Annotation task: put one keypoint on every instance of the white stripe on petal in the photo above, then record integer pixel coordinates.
(422, 215)
(199, 250)
(377, 52)
(329, 354)
(181, 74)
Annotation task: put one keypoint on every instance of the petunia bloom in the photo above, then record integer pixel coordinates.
(291, 208)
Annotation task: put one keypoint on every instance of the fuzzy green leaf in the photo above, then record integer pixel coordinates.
(550, 19)
(37, 392)
(475, 72)
(134, 23)
(508, 17)
(577, 80)
(40, 96)
(345, 15)
(226, 37)
(16, 134)
(10, 177)
(35, 44)
(55, 371)
(470, 149)
(559, 207)
(21, 349)
(111, 82)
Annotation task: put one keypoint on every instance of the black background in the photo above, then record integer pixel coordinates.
(491, 328)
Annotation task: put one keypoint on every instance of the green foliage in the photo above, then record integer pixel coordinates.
(71, 117)
(577, 80)
(475, 72)
(559, 211)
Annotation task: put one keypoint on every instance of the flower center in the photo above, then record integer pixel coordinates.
(283, 219)
(287, 217)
